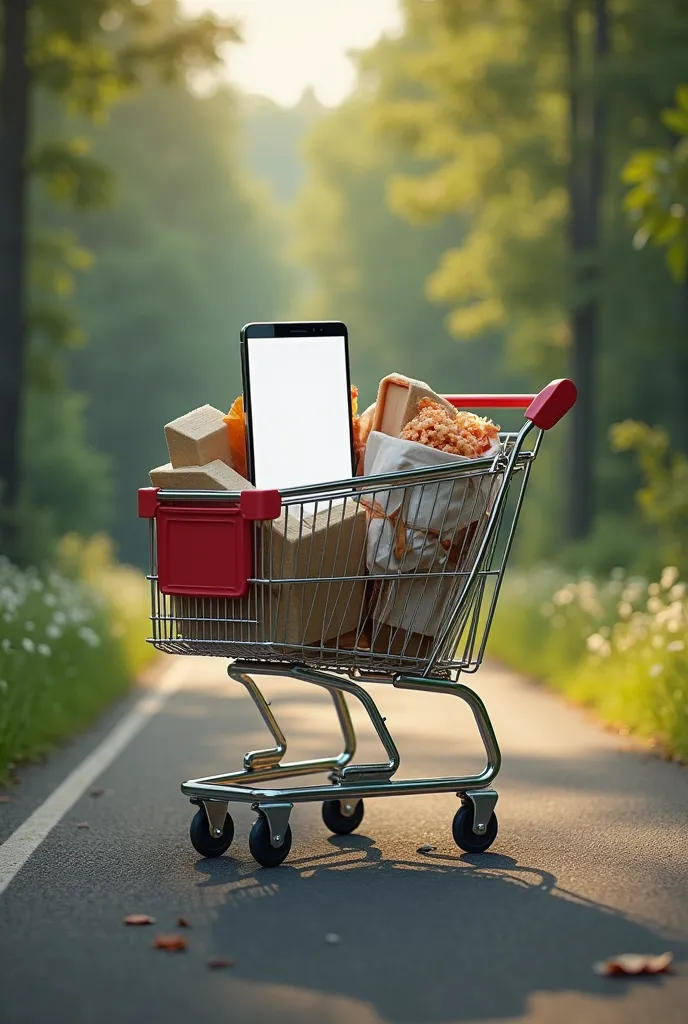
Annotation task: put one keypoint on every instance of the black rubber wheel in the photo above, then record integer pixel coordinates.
(262, 849)
(339, 823)
(205, 843)
(464, 836)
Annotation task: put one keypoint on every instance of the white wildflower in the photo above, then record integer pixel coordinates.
(654, 589)
(597, 644)
(44, 650)
(624, 609)
(30, 626)
(677, 592)
(28, 645)
(60, 618)
(6, 644)
(89, 636)
(676, 645)
(669, 577)
(656, 669)
(50, 600)
(654, 605)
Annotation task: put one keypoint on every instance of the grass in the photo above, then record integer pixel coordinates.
(618, 646)
(72, 639)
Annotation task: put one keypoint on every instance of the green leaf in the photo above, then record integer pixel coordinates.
(682, 97)
(676, 260)
(677, 120)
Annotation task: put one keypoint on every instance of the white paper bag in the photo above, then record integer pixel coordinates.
(433, 527)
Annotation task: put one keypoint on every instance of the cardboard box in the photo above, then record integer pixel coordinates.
(198, 438)
(215, 476)
(397, 403)
(309, 609)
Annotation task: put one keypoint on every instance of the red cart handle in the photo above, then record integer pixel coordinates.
(544, 410)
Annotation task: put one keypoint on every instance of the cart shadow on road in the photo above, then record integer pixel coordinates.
(416, 935)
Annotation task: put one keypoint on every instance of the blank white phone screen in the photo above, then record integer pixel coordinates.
(300, 411)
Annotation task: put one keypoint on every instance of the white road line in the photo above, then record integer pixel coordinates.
(16, 850)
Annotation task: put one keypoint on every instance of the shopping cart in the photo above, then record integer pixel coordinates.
(386, 579)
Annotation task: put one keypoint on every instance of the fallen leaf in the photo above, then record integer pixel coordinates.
(82, 824)
(428, 848)
(5, 799)
(139, 919)
(183, 923)
(634, 963)
(332, 938)
(97, 792)
(173, 942)
(219, 962)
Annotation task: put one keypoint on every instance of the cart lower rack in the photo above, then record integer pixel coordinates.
(381, 579)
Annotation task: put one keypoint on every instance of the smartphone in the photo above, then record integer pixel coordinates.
(297, 397)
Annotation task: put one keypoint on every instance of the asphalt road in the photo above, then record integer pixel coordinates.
(591, 860)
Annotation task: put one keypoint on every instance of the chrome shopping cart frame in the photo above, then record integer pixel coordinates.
(248, 577)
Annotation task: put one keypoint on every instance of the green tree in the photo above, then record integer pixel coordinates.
(61, 47)
(190, 251)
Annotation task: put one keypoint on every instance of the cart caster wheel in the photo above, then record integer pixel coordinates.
(464, 836)
(261, 848)
(205, 843)
(341, 824)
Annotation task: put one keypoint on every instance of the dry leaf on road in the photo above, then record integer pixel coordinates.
(428, 848)
(5, 799)
(97, 792)
(183, 923)
(82, 824)
(626, 964)
(139, 919)
(173, 942)
(219, 962)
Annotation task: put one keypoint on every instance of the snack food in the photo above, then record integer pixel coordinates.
(457, 433)
(236, 432)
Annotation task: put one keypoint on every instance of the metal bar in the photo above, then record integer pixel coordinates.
(490, 401)
(356, 485)
(360, 786)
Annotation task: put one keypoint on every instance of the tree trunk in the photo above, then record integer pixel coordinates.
(586, 184)
(14, 131)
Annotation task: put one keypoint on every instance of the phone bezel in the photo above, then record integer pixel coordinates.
(289, 329)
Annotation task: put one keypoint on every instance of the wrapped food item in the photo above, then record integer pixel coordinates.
(236, 430)
(429, 528)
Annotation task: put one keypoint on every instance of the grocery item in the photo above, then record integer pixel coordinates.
(397, 402)
(236, 433)
(215, 476)
(197, 438)
(458, 433)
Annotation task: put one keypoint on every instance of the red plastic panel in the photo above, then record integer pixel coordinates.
(204, 550)
(552, 403)
(490, 401)
(148, 502)
(261, 505)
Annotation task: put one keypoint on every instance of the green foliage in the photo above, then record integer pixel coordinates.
(618, 646)
(71, 643)
(658, 201)
(189, 253)
(663, 498)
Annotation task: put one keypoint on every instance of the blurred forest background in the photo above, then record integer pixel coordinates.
(502, 200)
